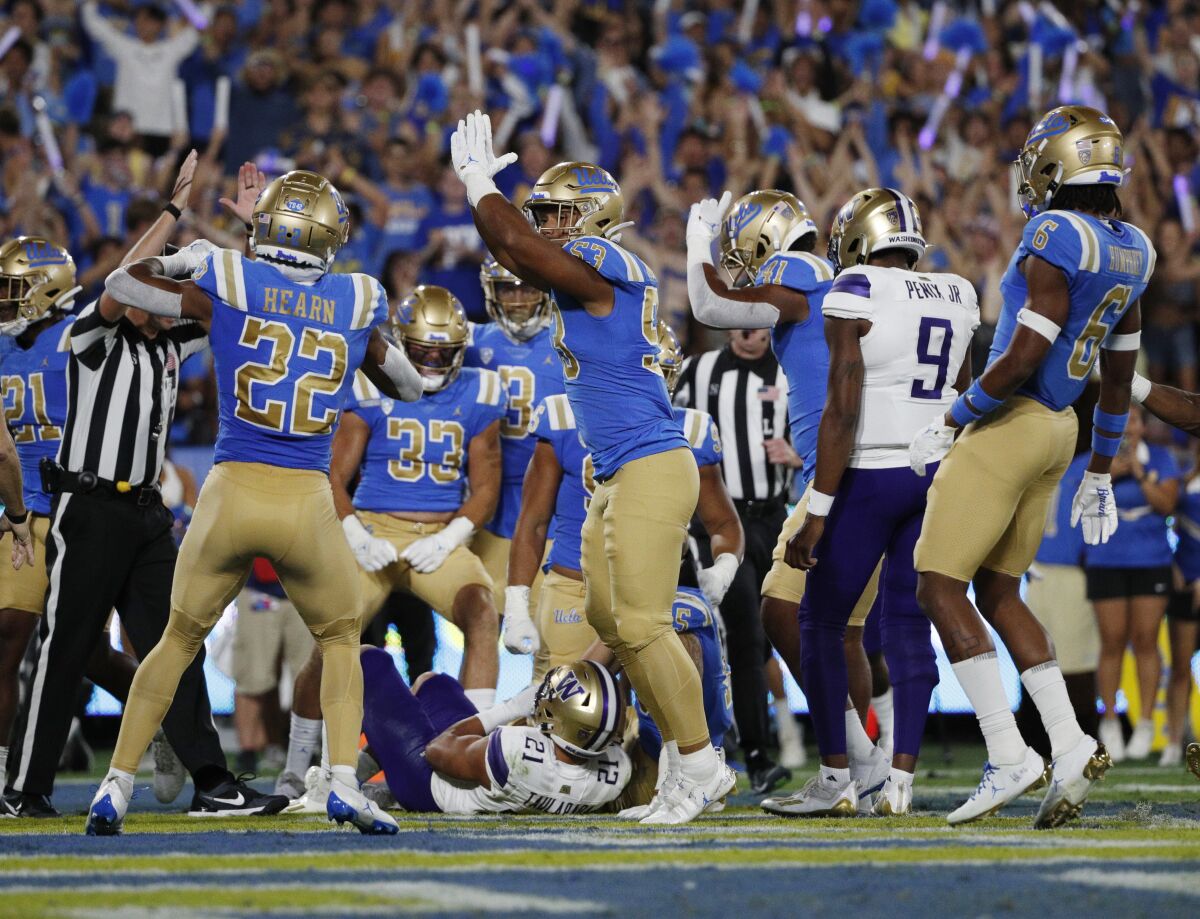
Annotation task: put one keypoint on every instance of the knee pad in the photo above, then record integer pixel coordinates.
(338, 632)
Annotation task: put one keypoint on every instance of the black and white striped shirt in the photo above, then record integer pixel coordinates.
(121, 391)
(748, 400)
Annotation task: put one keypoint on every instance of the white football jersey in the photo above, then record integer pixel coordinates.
(921, 328)
(528, 778)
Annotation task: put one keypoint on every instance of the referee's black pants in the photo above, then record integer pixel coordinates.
(745, 640)
(106, 552)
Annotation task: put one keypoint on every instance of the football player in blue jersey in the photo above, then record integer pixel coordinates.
(1070, 298)
(516, 344)
(605, 306)
(287, 335)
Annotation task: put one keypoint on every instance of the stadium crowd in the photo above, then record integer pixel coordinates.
(680, 100)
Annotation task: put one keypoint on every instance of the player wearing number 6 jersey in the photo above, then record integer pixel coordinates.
(287, 336)
(1070, 296)
(899, 343)
(605, 303)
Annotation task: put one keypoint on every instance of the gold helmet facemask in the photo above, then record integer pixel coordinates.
(579, 707)
(431, 327)
(757, 226)
(872, 221)
(584, 199)
(520, 309)
(300, 222)
(670, 356)
(36, 278)
(1070, 145)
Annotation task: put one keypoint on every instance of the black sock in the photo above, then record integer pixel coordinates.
(206, 778)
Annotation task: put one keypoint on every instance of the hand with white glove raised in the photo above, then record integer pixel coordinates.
(715, 581)
(704, 221)
(1096, 506)
(930, 444)
(427, 553)
(519, 634)
(473, 158)
(372, 553)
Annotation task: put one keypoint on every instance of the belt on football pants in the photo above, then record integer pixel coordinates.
(56, 479)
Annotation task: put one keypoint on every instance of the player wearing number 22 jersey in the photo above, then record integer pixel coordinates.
(1070, 297)
(286, 338)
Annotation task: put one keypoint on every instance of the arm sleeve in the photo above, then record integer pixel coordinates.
(719, 312)
(222, 277)
(849, 297)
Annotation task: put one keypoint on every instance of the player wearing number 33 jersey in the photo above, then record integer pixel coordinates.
(287, 336)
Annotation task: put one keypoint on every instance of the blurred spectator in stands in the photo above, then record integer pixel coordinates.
(1169, 308)
(453, 248)
(262, 106)
(1183, 619)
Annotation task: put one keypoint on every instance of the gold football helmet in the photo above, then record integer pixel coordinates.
(874, 220)
(431, 327)
(1071, 145)
(579, 707)
(757, 226)
(670, 356)
(584, 199)
(518, 308)
(36, 278)
(300, 220)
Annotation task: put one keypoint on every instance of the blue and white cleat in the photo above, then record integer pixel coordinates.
(999, 786)
(106, 816)
(349, 805)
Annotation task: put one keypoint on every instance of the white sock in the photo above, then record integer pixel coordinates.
(900, 777)
(841, 776)
(698, 767)
(885, 713)
(345, 775)
(302, 744)
(124, 781)
(1046, 686)
(324, 749)
(481, 698)
(672, 748)
(858, 744)
(979, 677)
(3, 763)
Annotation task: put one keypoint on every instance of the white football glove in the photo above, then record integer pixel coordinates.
(519, 634)
(372, 553)
(473, 158)
(1096, 506)
(704, 218)
(715, 581)
(931, 443)
(427, 553)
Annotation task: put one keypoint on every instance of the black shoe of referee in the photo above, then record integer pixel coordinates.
(17, 804)
(235, 798)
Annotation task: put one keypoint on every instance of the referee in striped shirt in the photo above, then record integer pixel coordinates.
(110, 544)
(743, 388)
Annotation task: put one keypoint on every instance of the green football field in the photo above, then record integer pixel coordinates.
(1136, 852)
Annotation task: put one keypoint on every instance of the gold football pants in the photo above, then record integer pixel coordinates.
(26, 589)
(562, 624)
(247, 510)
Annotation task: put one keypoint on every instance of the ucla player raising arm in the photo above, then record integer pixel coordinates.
(605, 304)
(286, 335)
(1070, 297)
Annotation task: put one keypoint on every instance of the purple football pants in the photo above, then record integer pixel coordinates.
(877, 512)
(399, 725)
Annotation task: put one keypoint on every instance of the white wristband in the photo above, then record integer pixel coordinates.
(519, 706)
(516, 601)
(1139, 388)
(1047, 328)
(479, 187)
(819, 503)
(458, 531)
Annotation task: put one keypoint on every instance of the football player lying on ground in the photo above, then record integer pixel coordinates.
(439, 754)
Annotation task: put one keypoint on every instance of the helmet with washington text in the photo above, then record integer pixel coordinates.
(579, 707)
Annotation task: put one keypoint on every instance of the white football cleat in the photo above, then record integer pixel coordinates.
(893, 800)
(1000, 785)
(665, 777)
(1113, 739)
(870, 776)
(316, 793)
(169, 774)
(820, 797)
(1074, 774)
(290, 784)
(349, 805)
(1140, 741)
(685, 801)
(106, 816)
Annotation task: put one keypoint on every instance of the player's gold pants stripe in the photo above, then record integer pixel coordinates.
(247, 510)
(26, 589)
(633, 540)
(988, 502)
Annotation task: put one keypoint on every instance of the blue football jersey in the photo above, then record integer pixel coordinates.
(692, 615)
(1062, 544)
(555, 422)
(610, 363)
(34, 385)
(417, 454)
(1107, 264)
(1141, 537)
(1187, 518)
(801, 349)
(285, 354)
(529, 372)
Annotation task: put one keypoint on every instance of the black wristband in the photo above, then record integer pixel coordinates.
(171, 209)
(15, 518)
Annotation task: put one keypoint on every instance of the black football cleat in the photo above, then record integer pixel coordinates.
(235, 798)
(764, 781)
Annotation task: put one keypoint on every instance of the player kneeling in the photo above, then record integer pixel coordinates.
(439, 754)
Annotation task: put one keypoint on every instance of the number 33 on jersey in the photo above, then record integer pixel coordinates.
(285, 355)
